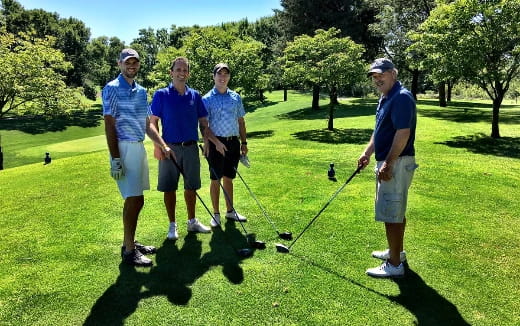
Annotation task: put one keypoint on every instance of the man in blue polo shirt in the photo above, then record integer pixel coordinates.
(125, 111)
(393, 145)
(180, 110)
(226, 120)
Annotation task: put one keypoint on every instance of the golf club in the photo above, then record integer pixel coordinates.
(243, 252)
(284, 249)
(281, 235)
(257, 244)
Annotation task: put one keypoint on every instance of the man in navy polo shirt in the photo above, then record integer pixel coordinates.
(393, 144)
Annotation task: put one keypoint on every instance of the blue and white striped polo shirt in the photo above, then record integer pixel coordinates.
(128, 104)
(224, 111)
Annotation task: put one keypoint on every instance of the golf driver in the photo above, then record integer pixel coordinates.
(257, 244)
(281, 235)
(244, 252)
(284, 249)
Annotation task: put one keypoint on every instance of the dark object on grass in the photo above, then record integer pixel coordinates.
(332, 173)
(47, 159)
(284, 249)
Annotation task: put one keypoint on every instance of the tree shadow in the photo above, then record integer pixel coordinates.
(40, 124)
(424, 302)
(260, 134)
(482, 144)
(469, 112)
(252, 106)
(354, 108)
(175, 271)
(336, 136)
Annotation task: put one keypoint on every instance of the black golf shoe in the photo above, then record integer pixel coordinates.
(145, 250)
(136, 258)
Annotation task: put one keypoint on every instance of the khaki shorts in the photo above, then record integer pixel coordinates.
(135, 167)
(392, 196)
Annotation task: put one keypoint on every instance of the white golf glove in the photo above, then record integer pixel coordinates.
(116, 169)
(245, 160)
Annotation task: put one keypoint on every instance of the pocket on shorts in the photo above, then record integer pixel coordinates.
(392, 204)
(411, 167)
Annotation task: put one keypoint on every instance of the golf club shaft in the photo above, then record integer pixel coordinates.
(226, 195)
(326, 204)
(257, 202)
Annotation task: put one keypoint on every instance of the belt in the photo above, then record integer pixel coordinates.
(227, 138)
(185, 143)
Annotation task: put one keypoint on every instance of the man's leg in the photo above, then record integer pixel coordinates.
(190, 198)
(228, 186)
(170, 200)
(131, 209)
(395, 236)
(214, 190)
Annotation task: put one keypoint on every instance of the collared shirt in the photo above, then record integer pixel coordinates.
(224, 111)
(179, 114)
(395, 111)
(128, 105)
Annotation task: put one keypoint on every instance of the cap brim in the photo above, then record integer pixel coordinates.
(379, 71)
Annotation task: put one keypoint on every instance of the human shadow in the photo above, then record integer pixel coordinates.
(172, 276)
(39, 124)
(336, 136)
(424, 302)
(428, 306)
(120, 300)
(482, 144)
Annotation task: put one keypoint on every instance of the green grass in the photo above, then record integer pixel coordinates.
(61, 228)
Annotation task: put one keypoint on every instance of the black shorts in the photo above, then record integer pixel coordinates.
(224, 165)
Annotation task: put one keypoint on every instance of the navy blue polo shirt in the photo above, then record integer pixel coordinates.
(395, 111)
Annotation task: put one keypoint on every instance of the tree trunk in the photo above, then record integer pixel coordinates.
(333, 95)
(315, 97)
(495, 131)
(285, 94)
(450, 88)
(442, 94)
(330, 125)
(415, 83)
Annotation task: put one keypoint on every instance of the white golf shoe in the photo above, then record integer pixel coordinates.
(233, 215)
(386, 270)
(215, 221)
(172, 232)
(196, 226)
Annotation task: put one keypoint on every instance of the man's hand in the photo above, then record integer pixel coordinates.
(116, 168)
(363, 161)
(168, 153)
(385, 172)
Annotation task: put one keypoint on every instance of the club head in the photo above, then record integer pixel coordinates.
(281, 248)
(245, 252)
(257, 244)
(285, 235)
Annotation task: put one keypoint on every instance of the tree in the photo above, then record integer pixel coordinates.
(395, 20)
(474, 39)
(351, 17)
(324, 60)
(30, 79)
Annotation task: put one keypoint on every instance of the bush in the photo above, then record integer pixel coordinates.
(90, 90)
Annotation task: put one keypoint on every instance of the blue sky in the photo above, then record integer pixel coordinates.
(124, 18)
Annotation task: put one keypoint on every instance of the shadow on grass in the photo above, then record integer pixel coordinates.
(41, 124)
(336, 136)
(469, 112)
(424, 302)
(175, 271)
(355, 108)
(260, 134)
(482, 144)
(252, 106)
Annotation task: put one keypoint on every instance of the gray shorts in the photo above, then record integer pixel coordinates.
(188, 160)
(392, 196)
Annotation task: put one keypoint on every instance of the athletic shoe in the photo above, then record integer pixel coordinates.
(385, 255)
(215, 221)
(386, 270)
(136, 258)
(233, 215)
(172, 232)
(145, 250)
(196, 226)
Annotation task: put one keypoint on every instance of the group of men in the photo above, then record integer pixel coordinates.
(219, 116)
